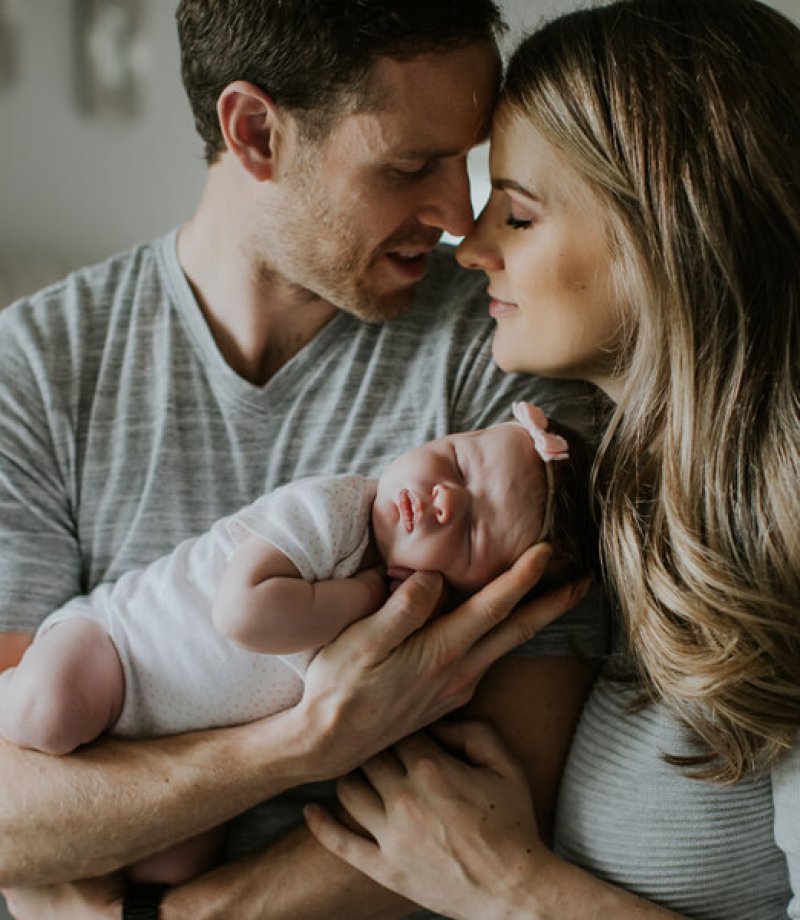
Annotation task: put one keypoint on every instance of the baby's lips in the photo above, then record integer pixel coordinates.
(405, 510)
(410, 508)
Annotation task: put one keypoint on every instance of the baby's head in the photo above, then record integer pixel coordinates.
(468, 505)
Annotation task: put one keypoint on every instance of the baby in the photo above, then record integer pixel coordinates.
(221, 630)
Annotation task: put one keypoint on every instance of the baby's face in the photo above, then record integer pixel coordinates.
(466, 505)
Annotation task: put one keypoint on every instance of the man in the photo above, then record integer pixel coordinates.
(300, 323)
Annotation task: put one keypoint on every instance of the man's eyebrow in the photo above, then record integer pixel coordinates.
(502, 185)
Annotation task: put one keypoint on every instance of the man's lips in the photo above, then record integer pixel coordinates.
(408, 253)
(409, 261)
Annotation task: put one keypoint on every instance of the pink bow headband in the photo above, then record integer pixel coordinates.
(549, 446)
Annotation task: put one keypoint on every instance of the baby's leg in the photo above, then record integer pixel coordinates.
(67, 690)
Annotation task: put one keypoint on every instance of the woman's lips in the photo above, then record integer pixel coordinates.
(501, 308)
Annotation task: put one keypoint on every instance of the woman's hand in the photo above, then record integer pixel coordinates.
(398, 670)
(454, 832)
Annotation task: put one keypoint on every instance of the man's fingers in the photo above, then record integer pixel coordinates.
(505, 592)
(536, 614)
(492, 604)
(524, 623)
(405, 611)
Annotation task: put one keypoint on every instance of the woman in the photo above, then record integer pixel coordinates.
(643, 233)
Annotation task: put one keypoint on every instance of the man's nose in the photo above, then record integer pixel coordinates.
(449, 502)
(449, 206)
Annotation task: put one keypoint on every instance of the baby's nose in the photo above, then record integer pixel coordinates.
(448, 501)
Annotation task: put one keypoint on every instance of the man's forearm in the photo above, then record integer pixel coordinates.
(295, 879)
(116, 801)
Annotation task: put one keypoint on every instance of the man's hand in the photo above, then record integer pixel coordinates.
(383, 678)
(397, 670)
(90, 899)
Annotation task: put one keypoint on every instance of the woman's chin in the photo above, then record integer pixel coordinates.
(511, 363)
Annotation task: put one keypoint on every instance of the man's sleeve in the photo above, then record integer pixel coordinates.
(39, 550)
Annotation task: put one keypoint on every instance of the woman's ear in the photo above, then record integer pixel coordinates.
(252, 127)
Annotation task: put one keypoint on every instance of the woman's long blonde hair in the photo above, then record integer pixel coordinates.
(684, 118)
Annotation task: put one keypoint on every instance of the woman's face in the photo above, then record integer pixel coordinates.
(542, 243)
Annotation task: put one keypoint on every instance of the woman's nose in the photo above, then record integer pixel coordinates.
(449, 502)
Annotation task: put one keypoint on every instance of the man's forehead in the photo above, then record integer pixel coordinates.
(406, 134)
(453, 86)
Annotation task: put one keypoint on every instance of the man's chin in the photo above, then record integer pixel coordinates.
(381, 308)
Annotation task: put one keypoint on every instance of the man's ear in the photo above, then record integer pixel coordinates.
(252, 126)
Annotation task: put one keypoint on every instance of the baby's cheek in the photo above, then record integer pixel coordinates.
(421, 553)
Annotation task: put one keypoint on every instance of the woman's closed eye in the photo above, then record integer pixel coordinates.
(521, 212)
(519, 221)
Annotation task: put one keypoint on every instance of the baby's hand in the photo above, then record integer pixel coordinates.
(374, 579)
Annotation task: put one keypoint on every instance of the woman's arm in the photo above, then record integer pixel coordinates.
(264, 604)
(786, 801)
(456, 832)
(384, 677)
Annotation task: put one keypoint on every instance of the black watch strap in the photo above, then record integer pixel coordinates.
(141, 901)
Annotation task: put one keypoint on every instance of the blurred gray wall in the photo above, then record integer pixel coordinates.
(75, 187)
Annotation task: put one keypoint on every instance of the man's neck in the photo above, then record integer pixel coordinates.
(258, 323)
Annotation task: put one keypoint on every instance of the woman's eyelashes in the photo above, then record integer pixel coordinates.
(518, 223)
(521, 214)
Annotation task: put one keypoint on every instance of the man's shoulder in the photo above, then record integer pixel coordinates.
(82, 303)
(95, 283)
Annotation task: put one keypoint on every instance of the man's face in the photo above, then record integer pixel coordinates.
(360, 210)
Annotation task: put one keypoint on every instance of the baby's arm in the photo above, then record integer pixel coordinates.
(263, 604)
